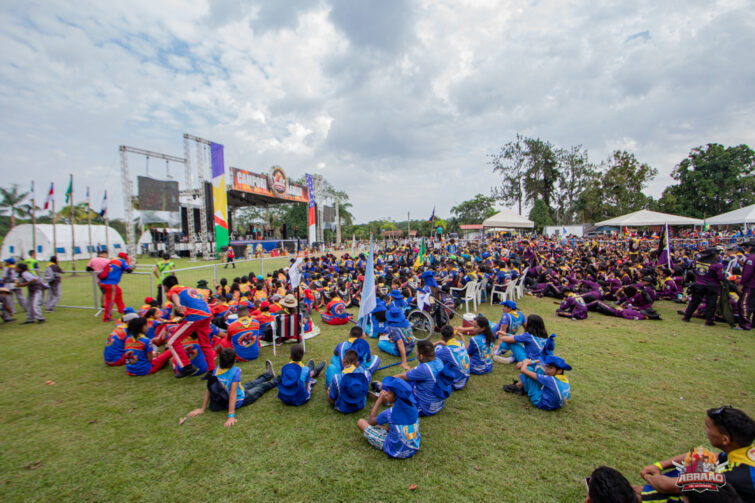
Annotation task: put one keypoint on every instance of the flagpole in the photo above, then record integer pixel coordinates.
(89, 223)
(54, 230)
(668, 247)
(73, 233)
(33, 219)
(107, 232)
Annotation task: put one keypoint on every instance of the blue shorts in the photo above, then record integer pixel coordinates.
(376, 436)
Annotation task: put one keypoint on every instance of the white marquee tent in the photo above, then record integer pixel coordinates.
(744, 215)
(19, 241)
(646, 218)
(507, 219)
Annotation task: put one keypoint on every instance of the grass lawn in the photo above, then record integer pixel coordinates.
(639, 391)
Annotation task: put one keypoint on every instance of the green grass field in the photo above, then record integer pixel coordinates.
(639, 391)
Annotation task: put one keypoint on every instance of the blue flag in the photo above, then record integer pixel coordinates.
(369, 301)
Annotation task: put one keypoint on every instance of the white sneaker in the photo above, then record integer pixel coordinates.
(504, 359)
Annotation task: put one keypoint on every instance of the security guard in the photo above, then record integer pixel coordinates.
(163, 269)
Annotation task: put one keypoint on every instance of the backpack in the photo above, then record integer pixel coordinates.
(218, 394)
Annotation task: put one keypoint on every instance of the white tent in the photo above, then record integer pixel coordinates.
(744, 215)
(644, 218)
(18, 241)
(507, 219)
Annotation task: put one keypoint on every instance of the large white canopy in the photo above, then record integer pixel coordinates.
(20, 240)
(644, 218)
(744, 215)
(507, 219)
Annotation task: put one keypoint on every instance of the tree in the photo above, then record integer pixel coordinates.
(714, 180)
(79, 212)
(475, 210)
(541, 215)
(541, 174)
(575, 175)
(623, 178)
(510, 163)
(12, 203)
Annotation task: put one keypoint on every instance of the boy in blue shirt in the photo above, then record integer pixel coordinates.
(297, 379)
(358, 342)
(454, 353)
(394, 431)
(548, 391)
(399, 340)
(423, 379)
(225, 382)
(348, 389)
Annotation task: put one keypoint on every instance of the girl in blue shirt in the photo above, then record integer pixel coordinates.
(481, 345)
(533, 344)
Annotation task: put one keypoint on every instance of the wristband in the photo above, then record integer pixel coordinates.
(231, 415)
(658, 464)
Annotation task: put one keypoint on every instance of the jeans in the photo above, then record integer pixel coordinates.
(255, 389)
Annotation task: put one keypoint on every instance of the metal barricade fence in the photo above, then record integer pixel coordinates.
(213, 273)
(80, 290)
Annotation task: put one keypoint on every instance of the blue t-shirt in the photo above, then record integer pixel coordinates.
(533, 346)
(402, 440)
(423, 379)
(556, 391)
(454, 353)
(480, 355)
(137, 355)
(405, 334)
(512, 320)
(227, 378)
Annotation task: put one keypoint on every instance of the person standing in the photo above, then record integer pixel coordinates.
(163, 269)
(110, 277)
(9, 281)
(229, 256)
(709, 274)
(747, 299)
(34, 289)
(32, 263)
(53, 278)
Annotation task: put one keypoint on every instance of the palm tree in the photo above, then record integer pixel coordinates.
(79, 213)
(12, 203)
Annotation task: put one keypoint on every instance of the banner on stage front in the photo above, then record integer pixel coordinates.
(275, 184)
(219, 199)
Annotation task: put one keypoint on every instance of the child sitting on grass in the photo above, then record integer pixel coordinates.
(426, 380)
(348, 388)
(480, 346)
(532, 344)
(358, 342)
(141, 356)
(297, 379)
(394, 431)
(548, 391)
(225, 382)
(453, 352)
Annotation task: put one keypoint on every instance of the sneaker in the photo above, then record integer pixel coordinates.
(710, 323)
(376, 386)
(269, 369)
(686, 320)
(504, 359)
(42, 320)
(188, 370)
(513, 388)
(313, 382)
(311, 365)
(206, 375)
(9, 320)
(317, 370)
(27, 322)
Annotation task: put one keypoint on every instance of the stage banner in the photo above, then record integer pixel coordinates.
(311, 220)
(219, 200)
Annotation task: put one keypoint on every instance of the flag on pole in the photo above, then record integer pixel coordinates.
(664, 251)
(369, 300)
(69, 191)
(50, 195)
(103, 211)
(421, 256)
(89, 202)
(432, 217)
(294, 273)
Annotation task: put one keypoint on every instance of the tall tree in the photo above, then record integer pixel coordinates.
(575, 174)
(475, 210)
(540, 214)
(720, 179)
(623, 179)
(541, 174)
(12, 203)
(510, 162)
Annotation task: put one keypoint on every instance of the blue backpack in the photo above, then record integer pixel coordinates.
(292, 388)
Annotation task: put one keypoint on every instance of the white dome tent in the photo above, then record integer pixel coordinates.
(744, 215)
(507, 219)
(19, 241)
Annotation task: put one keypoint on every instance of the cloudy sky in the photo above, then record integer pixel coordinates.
(396, 102)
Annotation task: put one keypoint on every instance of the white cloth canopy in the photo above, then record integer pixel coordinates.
(507, 219)
(645, 218)
(744, 215)
(19, 241)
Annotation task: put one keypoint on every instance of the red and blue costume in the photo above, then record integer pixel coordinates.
(335, 312)
(109, 279)
(197, 316)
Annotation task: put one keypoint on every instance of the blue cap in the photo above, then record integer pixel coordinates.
(129, 310)
(10, 261)
(379, 306)
(556, 361)
(396, 294)
(509, 303)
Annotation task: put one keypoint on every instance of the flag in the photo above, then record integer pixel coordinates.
(626, 230)
(69, 191)
(369, 301)
(706, 225)
(50, 195)
(563, 231)
(89, 202)
(421, 256)
(664, 252)
(294, 273)
(432, 217)
(103, 211)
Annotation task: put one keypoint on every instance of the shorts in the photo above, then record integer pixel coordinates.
(376, 436)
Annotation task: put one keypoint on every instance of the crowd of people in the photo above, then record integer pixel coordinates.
(42, 286)
(205, 330)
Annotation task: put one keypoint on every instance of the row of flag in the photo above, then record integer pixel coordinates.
(49, 200)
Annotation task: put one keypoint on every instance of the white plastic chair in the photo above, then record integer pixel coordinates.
(520, 284)
(500, 291)
(481, 290)
(468, 292)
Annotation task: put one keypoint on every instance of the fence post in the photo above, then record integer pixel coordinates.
(262, 267)
(94, 290)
